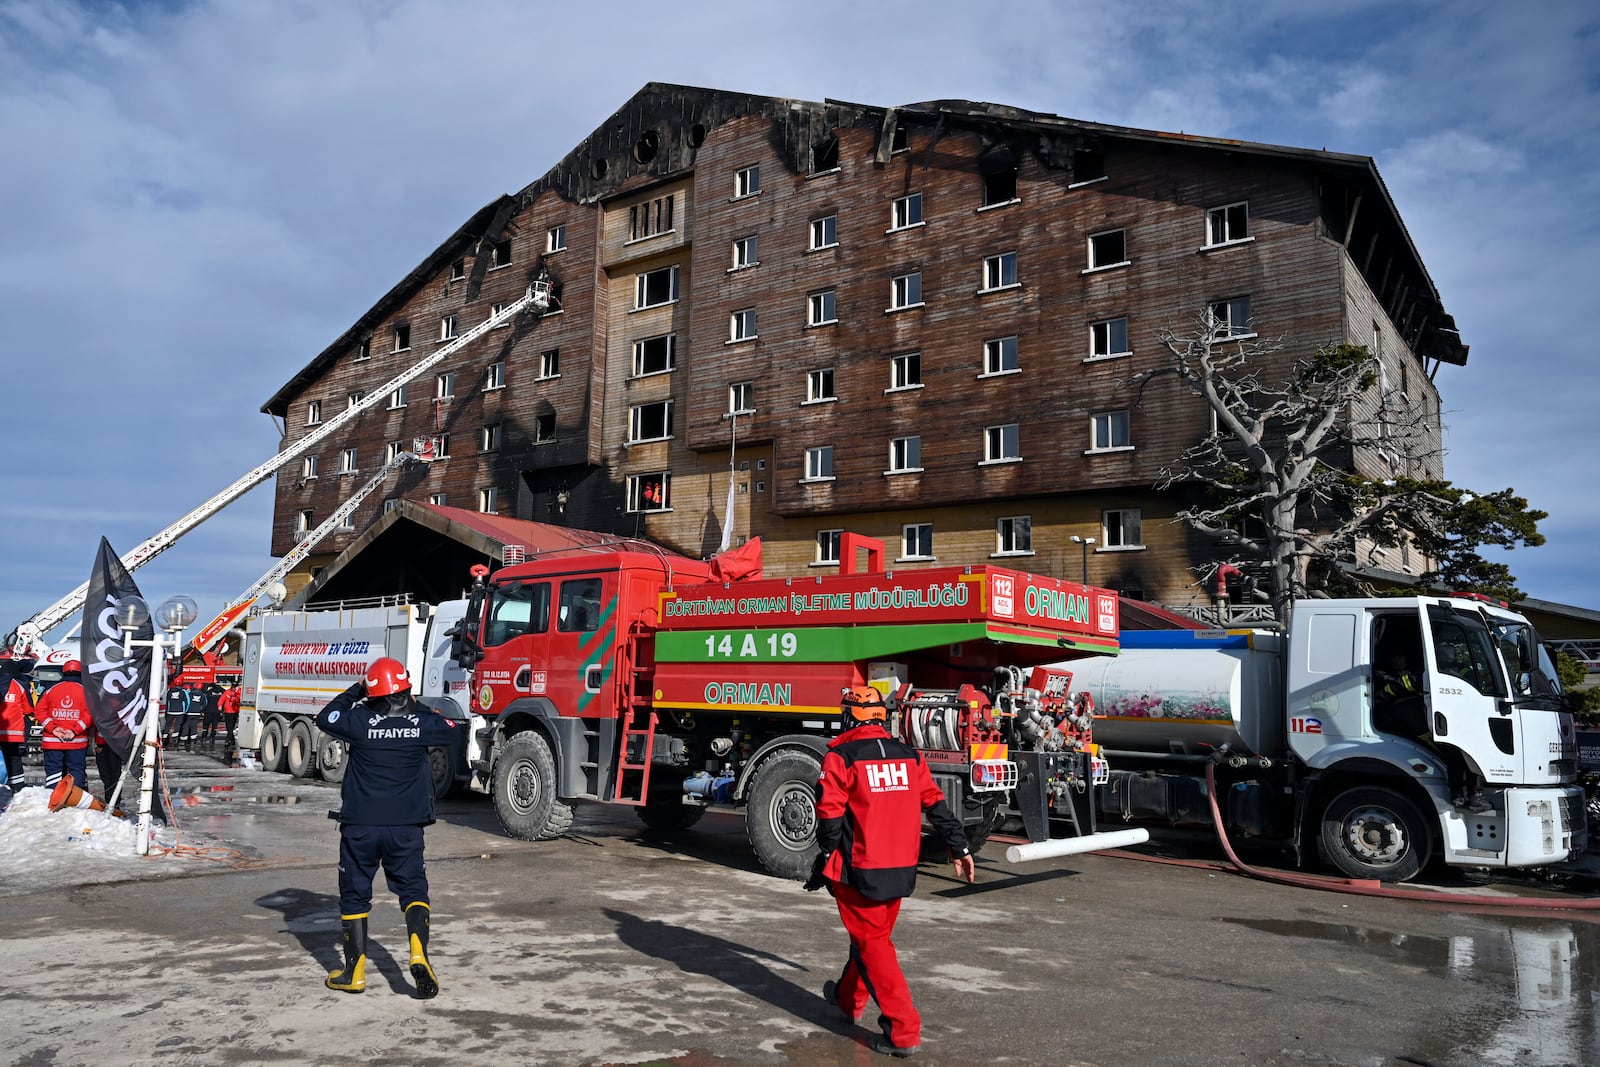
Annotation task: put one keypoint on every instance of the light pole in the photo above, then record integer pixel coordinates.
(1085, 542)
(171, 617)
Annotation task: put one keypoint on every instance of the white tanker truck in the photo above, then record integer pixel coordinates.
(1304, 747)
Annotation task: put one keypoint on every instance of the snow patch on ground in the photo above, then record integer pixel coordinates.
(40, 848)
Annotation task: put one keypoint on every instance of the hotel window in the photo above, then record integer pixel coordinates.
(1120, 529)
(353, 400)
(1002, 444)
(650, 492)
(313, 412)
(495, 376)
(1014, 535)
(555, 239)
(1108, 430)
(444, 385)
(447, 328)
(441, 446)
(500, 254)
(828, 545)
(544, 428)
(347, 461)
(819, 463)
(905, 371)
(489, 437)
(308, 468)
(742, 325)
(819, 385)
(302, 522)
(1000, 272)
(999, 186)
(397, 398)
(656, 287)
(458, 270)
(742, 398)
(488, 500)
(1109, 249)
(1000, 355)
(905, 454)
(1108, 338)
(917, 541)
(393, 452)
(550, 363)
(437, 499)
(650, 422)
(906, 291)
(363, 351)
(1225, 225)
(906, 211)
(824, 232)
(819, 308)
(402, 337)
(746, 182)
(654, 355)
(1231, 318)
(744, 253)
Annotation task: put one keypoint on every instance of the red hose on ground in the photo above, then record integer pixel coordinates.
(1372, 888)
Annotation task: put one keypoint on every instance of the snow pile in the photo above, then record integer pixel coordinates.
(40, 848)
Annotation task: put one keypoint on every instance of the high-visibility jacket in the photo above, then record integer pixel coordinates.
(14, 711)
(874, 792)
(64, 708)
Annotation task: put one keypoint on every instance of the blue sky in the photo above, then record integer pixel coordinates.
(197, 198)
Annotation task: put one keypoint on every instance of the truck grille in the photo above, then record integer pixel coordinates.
(1573, 812)
(1562, 768)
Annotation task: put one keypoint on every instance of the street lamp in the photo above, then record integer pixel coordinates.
(174, 614)
(1085, 542)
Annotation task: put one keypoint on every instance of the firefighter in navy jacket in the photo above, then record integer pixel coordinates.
(387, 798)
(873, 792)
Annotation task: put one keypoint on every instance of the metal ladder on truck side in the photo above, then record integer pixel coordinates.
(636, 704)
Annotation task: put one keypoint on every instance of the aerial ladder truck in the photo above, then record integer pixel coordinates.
(28, 639)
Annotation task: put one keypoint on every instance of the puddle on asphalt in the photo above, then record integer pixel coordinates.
(1546, 970)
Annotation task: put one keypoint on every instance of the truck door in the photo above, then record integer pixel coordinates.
(580, 648)
(1467, 691)
(516, 642)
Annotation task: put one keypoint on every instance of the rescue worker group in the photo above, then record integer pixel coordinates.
(872, 795)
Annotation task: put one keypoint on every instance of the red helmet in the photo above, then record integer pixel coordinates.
(863, 702)
(72, 666)
(387, 676)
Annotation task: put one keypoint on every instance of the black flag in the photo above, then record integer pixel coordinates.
(116, 688)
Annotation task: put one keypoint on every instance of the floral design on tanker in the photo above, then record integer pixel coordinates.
(1192, 705)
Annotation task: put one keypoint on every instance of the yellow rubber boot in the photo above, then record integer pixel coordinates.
(421, 969)
(353, 979)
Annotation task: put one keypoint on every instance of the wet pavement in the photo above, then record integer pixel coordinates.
(610, 946)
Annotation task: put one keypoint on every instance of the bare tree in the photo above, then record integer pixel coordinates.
(1291, 474)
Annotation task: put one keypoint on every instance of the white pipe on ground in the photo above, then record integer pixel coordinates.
(1069, 846)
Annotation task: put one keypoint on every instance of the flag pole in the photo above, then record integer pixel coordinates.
(152, 747)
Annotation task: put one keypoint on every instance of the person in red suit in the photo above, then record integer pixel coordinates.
(14, 709)
(874, 791)
(63, 715)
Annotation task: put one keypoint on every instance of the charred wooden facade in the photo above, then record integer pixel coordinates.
(917, 323)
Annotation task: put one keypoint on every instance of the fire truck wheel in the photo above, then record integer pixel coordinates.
(668, 814)
(781, 814)
(272, 741)
(1373, 832)
(332, 758)
(300, 750)
(444, 775)
(525, 790)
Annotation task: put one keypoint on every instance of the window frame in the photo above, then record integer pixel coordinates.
(741, 326)
(313, 412)
(829, 224)
(829, 541)
(447, 328)
(636, 421)
(1112, 420)
(1224, 215)
(1092, 259)
(438, 499)
(392, 452)
(905, 455)
(822, 308)
(500, 254)
(994, 356)
(397, 398)
(746, 182)
(401, 332)
(818, 464)
(745, 252)
(737, 393)
(1095, 330)
(494, 376)
(994, 272)
(304, 520)
(489, 500)
(638, 486)
(906, 539)
(555, 239)
(912, 203)
(641, 287)
(549, 364)
(308, 468)
(444, 385)
(905, 372)
(349, 461)
(814, 383)
(900, 287)
(670, 355)
(1003, 535)
(490, 435)
(1121, 545)
(995, 444)
(1225, 329)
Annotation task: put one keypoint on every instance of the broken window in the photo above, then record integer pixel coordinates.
(999, 186)
(650, 492)
(825, 155)
(544, 428)
(1088, 164)
(1109, 249)
(656, 287)
(458, 270)
(402, 336)
(500, 254)
(650, 422)
(650, 218)
(654, 355)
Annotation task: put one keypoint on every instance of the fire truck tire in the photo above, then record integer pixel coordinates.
(300, 750)
(332, 758)
(668, 814)
(1374, 832)
(444, 775)
(525, 790)
(272, 744)
(781, 813)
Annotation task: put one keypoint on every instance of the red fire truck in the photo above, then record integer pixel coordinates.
(624, 674)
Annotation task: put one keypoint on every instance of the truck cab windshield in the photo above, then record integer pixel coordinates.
(1530, 668)
(1464, 650)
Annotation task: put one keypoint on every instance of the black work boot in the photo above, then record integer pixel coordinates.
(421, 969)
(353, 979)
